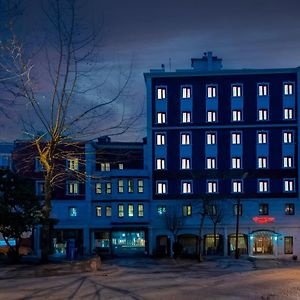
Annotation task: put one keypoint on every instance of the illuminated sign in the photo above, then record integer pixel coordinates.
(263, 220)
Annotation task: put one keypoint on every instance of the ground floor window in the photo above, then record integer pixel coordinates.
(288, 245)
(242, 243)
(263, 243)
(213, 244)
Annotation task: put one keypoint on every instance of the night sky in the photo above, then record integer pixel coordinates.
(146, 34)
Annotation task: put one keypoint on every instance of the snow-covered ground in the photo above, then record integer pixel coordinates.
(162, 279)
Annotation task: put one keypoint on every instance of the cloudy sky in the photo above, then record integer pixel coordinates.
(146, 34)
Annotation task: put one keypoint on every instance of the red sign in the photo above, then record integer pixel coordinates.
(263, 220)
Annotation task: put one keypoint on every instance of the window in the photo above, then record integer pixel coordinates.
(288, 114)
(120, 210)
(140, 210)
(161, 93)
(236, 115)
(160, 164)
(186, 92)
(289, 209)
(288, 89)
(130, 210)
(130, 186)
(210, 163)
(72, 211)
(288, 245)
(161, 187)
(235, 162)
(187, 210)
(237, 186)
(72, 188)
(108, 211)
(236, 91)
(72, 164)
(140, 186)
(40, 188)
(210, 138)
(161, 118)
(211, 116)
(262, 162)
(212, 186)
(120, 186)
(98, 188)
(121, 166)
(263, 90)
(108, 187)
(288, 162)
(105, 166)
(185, 139)
(186, 187)
(211, 91)
(38, 165)
(237, 208)
(263, 185)
(5, 161)
(185, 163)
(161, 210)
(289, 185)
(262, 114)
(186, 117)
(160, 139)
(287, 137)
(236, 138)
(262, 137)
(98, 211)
(211, 209)
(263, 209)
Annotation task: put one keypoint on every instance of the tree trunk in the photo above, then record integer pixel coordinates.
(200, 257)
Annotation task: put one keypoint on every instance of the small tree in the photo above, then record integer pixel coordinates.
(20, 210)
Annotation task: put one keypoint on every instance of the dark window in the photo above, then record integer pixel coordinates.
(289, 209)
(235, 209)
(288, 245)
(263, 209)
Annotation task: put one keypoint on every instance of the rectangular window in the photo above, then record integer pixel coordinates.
(288, 245)
(185, 139)
(287, 137)
(236, 138)
(130, 186)
(288, 114)
(160, 164)
(161, 210)
(288, 162)
(120, 186)
(186, 92)
(263, 185)
(98, 211)
(161, 93)
(72, 211)
(98, 188)
(160, 139)
(105, 166)
(72, 164)
(263, 90)
(187, 210)
(130, 210)
(212, 186)
(185, 163)
(288, 89)
(211, 163)
(73, 188)
(161, 187)
(236, 115)
(237, 209)
(236, 163)
(289, 209)
(262, 162)
(211, 116)
(120, 210)
(140, 186)
(186, 117)
(186, 187)
(108, 187)
(161, 118)
(237, 186)
(236, 91)
(211, 91)
(121, 166)
(289, 185)
(262, 137)
(140, 210)
(210, 138)
(108, 211)
(40, 188)
(263, 209)
(263, 115)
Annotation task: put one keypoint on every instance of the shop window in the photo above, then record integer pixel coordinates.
(288, 245)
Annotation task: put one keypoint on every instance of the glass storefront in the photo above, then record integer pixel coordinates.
(263, 242)
(128, 242)
(242, 243)
(213, 244)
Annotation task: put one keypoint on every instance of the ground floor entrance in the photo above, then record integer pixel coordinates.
(263, 243)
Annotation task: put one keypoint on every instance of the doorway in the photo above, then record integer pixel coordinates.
(263, 243)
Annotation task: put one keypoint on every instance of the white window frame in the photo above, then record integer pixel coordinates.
(288, 113)
(289, 185)
(160, 164)
(288, 137)
(263, 89)
(263, 114)
(161, 187)
(160, 139)
(161, 93)
(236, 163)
(140, 186)
(105, 166)
(236, 90)
(73, 164)
(211, 91)
(211, 163)
(211, 116)
(211, 138)
(186, 187)
(98, 188)
(161, 117)
(262, 137)
(212, 187)
(237, 186)
(288, 162)
(186, 92)
(72, 188)
(262, 162)
(185, 138)
(236, 138)
(185, 163)
(186, 117)
(263, 185)
(236, 115)
(288, 88)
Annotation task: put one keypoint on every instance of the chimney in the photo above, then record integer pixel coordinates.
(207, 63)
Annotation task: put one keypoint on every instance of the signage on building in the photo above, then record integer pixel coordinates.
(263, 220)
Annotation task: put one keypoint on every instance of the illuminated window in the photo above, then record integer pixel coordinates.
(289, 185)
(108, 187)
(186, 187)
(210, 138)
(120, 186)
(263, 185)
(185, 139)
(236, 115)
(288, 245)
(186, 92)
(185, 163)
(161, 93)
(130, 186)
(288, 114)
(73, 164)
(289, 209)
(262, 137)
(160, 164)
(235, 162)
(262, 114)
(211, 116)
(187, 210)
(237, 186)
(263, 90)
(72, 188)
(140, 186)
(288, 137)
(288, 89)
(161, 210)
(262, 162)
(236, 138)
(130, 210)
(237, 208)
(140, 210)
(73, 211)
(211, 163)
(263, 209)
(236, 91)
(160, 139)
(98, 188)
(120, 210)
(161, 187)
(108, 211)
(212, 186)
(186, 117)
(211, 91)
(161, 118)
(121, 166)
(288, 162)
(98, 211)
(105, 166)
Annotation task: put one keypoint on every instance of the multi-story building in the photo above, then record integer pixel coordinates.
(228, 139)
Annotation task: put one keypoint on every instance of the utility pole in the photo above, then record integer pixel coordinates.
(237, 228)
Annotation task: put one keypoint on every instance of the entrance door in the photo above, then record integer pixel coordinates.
(263, 244)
